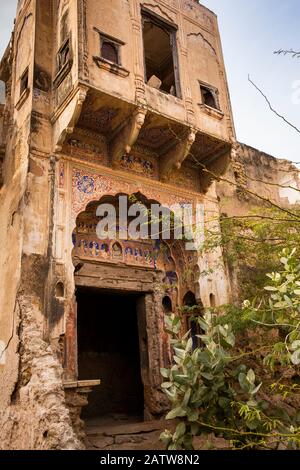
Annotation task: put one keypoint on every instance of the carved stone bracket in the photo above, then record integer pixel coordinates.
(68, 117)
(174, 158)
(124, 140)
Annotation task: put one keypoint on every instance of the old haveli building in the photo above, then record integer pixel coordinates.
(102, 98)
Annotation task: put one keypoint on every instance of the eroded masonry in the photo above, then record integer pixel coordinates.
(121, 97)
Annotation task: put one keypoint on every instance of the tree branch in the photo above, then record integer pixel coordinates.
(294, 54)
(271, 107)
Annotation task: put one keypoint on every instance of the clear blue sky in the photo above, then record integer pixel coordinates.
(251, 31)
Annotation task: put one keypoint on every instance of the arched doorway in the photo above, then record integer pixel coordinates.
(124, 287)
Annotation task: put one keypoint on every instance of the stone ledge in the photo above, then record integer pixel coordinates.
(111, 67)
(81, 384)
(212, 112)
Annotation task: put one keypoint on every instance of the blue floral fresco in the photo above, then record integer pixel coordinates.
(86, 184)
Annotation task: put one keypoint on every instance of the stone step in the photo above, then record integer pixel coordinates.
(141, 436)
(125, 436)
(128, 428)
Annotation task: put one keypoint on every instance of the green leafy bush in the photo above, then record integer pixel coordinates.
(211, 389)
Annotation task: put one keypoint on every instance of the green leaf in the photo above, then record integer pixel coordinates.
(251, 376)
(193, 415)
(207, 375)
(295, 345)
(271, 288)
(187, 396)
(252, 403)
(180, 431)
(253, 392)
(252, 425)
(179, 353)
(295, 357)
(281, 305)
(172, 447)
(165, 373)
(194, 429)
(203, 324)
(230, 339)
(176, 413)
(170, 394)
(167, 385)
(244, 382)
(188, 442)
(166, 437)
(224, 403)
(189, 345)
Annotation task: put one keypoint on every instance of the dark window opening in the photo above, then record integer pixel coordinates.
(167, 304)
(24, 82)
(161, 70)
(212, 300)
(64, 55)
(64, 26)
(110, 51)
(192, 309)
(59, 290)
(195, 330)
(209, 97)
(109, 350)
(110, 48)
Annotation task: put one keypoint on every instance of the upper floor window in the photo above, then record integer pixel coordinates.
(109, 51)
(64, 55)
(24, 82)
(110, 48)
(209, 96)
(160, 54)
(64, 61)
(109, 57)
(24, 88)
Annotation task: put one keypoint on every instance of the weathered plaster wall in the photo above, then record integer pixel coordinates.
(253, 179)
(37, 417)
(33, 413)
(252, 173)
(11, 231)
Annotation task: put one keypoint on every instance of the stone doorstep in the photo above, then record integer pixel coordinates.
(125, 429)
(100, 442)
(142, 441)
(142, 436)
(152, 442)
